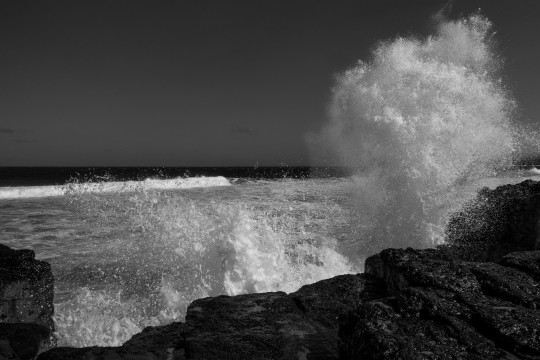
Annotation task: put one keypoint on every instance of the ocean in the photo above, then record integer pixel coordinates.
(132, 247)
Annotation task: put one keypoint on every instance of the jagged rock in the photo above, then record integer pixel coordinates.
(165, 342)
(497, 222)
(26, 304)
(276, 325)
(26, 288)
(326, 299)
(507, 284)
(445, 309)
(526, 261)
(376, 331)
(262, 326)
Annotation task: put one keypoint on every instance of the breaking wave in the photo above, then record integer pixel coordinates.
(168, 249)
(417, 121)
(110, 187)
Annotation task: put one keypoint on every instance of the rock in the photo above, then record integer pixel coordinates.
(276, 325)
(497, 222)
(165, 342)
(262, 326)
(23, 340)
(447, 309)
(26, 304)
(526, 261)
(326, 299)
(26, 288)
(376, 331)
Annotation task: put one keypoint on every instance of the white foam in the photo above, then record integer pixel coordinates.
(534, 171)
(419, 120)
(17, 192)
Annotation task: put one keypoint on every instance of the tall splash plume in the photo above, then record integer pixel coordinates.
(420, 119)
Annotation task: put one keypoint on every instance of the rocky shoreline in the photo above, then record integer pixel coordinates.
(476, 298)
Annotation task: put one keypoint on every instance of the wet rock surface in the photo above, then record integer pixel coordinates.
(26, 288)
(497, 222)
(26, 304)
(300, 325)
(445, 309)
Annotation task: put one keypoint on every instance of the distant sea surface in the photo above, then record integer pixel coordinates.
(35, 176)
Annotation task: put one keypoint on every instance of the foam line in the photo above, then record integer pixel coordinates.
(17, 192)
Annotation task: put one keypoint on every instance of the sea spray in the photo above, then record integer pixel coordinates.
(418, 120)
(165, 249)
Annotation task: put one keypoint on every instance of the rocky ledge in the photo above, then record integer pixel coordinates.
(476, 298)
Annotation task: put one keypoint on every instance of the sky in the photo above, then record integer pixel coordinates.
(206, 83)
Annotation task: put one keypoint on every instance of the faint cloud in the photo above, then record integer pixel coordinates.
(14, 131)
(24, 141)
(241, 130)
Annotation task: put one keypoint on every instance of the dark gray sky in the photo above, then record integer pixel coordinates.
(209, 83)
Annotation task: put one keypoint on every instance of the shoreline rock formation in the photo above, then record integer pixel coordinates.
(26, 304)
(442, 308)
(476, 298)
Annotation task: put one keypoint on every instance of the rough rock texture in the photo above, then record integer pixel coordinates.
(476, 298)
(26, 304)
(26, 288)
(276, 325)
(446, 309)
(497, 222)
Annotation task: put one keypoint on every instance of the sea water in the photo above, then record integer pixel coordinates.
(125, 257)
(421, 126)
(138, 255)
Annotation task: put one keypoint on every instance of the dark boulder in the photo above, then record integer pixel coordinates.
(26, 288)
(276, 325)
(26, 304)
